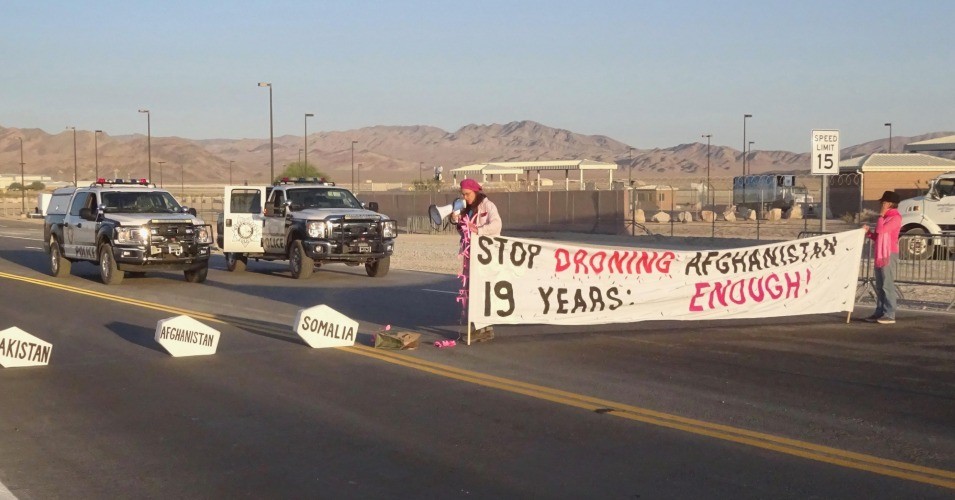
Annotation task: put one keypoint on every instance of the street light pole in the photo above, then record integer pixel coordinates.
(96, 134)
(160, 172)
(630, 165)
(353, 165)
(23, 187)
(231, 162)
(271, 135)
(74, 155)
(749, 151)
(744, 141)
(305, 169)
(709, 187)
(420, 168)
(890, 136)
(149, 142)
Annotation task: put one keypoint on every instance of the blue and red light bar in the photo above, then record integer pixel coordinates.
(102, 181)
(306, 180)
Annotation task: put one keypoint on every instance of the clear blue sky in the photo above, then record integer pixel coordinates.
(649, 74)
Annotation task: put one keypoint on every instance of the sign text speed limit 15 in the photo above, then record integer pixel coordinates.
(825, 152)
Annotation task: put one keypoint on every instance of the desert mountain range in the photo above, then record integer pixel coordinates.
(382, 153)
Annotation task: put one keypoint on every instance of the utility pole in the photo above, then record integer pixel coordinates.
(23, 186)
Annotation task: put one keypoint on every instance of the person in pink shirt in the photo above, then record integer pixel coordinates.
(483, 217)
(886, 237)
(479, 218)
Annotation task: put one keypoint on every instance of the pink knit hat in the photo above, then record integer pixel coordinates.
(470, 184)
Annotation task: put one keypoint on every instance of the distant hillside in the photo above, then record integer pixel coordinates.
(382, 153)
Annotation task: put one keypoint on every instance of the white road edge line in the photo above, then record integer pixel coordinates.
(438, 291)
(6, 494)
(19, 237)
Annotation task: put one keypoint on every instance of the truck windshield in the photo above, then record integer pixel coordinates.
(303, 198)
(945, 187)
(140, 202)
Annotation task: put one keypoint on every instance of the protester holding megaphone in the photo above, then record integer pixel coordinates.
(480, 215)
(478, 218)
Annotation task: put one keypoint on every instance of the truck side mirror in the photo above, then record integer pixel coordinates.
(189, 210)
(373, 206)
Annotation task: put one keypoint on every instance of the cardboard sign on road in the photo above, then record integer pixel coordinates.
(322, 326)
(184, 336)
(18, 348)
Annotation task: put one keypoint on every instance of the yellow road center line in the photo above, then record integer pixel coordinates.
(902, 470)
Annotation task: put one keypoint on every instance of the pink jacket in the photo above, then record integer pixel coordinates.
(487, 219)
(886, 236)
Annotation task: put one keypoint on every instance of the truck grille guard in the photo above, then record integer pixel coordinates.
(347, 232)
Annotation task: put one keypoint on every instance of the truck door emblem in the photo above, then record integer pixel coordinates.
(244, 232)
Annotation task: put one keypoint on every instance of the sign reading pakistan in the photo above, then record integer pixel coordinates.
(19, 348)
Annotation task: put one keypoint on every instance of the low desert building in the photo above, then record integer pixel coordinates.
(863, 179)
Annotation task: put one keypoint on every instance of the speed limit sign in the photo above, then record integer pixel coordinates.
(825, 152)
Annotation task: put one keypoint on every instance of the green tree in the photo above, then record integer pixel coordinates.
(297, 169)
(36, 186)
(15, 186)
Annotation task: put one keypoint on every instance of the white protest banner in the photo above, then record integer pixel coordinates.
(18, 348)
(522, 281)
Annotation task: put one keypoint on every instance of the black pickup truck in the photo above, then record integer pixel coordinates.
(129, 226)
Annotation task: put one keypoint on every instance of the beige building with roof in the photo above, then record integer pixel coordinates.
(486, 171)
(946, 143)
(871, 175)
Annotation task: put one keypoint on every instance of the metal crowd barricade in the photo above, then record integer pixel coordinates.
(421, 224)
(939, 270)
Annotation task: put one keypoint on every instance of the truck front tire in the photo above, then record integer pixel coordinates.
(235, 262)
(197, 275)
(299, 263)
(59, 265)
(109, 271)
(378, 268)
(917, 245)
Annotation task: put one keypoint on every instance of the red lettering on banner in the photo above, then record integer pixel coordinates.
(579, 257)
(711, 295)
(613, 262)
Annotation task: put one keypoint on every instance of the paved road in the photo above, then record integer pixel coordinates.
(794, 408)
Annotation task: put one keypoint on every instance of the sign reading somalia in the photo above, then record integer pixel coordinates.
(19, 348)
(521, 281)
(322, 326)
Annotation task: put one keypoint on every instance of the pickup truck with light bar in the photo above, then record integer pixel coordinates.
(125, 226)
(307, 222)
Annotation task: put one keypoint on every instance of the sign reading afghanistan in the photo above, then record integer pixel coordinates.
(522, 281)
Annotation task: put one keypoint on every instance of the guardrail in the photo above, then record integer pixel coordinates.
(936, 268)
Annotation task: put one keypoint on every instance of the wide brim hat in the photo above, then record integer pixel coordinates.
(891, 197)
